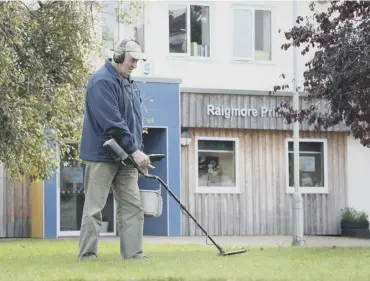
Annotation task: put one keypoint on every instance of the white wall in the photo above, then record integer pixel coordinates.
(220, 71)
(358, 175)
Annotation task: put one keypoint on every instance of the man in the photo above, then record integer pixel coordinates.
(113, 109)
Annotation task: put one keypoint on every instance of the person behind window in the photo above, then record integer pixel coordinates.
(113, 109)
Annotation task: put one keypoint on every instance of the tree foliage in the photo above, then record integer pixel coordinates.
(339, 71)
(44, 66)
(47, 56)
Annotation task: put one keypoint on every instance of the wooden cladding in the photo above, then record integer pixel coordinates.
(263, 207)
(15, 207)
(237, 112)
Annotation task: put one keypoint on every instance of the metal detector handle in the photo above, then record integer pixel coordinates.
(156, 157)
(116, 150)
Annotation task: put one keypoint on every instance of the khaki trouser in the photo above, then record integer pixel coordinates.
(99, 177)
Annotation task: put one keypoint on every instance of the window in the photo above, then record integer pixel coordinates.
(251, 34)
(189, 30)
(72, 196)
(217, 165)
(312, 166)
(114, 30)
(71, 190)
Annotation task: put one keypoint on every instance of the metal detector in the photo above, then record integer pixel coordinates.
(119, 154)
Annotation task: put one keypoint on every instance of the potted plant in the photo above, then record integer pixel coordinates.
(354, 223)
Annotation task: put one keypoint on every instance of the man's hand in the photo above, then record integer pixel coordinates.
(141, 159)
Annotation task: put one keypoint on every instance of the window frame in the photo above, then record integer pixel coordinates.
(251, 7)
(308, 190)
(108, 53)
(188, 55)
(59, 174)
(218, 189)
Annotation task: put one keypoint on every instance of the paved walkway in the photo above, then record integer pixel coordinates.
(253, 241)
(310, 241)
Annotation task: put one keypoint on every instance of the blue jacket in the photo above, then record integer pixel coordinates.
(111, 102)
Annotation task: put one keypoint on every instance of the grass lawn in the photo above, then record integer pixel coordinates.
(57, 260)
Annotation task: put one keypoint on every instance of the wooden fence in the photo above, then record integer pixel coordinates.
(15, 207)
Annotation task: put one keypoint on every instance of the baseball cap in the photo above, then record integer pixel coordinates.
(129, 46)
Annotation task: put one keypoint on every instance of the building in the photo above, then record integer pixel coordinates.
(60, 212)
(228, 66)
(212, 64)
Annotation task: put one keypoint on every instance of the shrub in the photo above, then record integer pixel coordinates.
(352, 214)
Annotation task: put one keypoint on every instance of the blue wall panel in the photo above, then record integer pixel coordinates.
(156, 143)
(162, 108)
(50, 207)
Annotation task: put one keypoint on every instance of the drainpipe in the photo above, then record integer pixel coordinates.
(298, 225)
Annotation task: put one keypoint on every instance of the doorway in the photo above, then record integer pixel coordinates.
(71, 198)
(70, 191)
(155, 142)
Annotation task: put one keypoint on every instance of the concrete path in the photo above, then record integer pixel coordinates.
(252, 241)
(279, 241)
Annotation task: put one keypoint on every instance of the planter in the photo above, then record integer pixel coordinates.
(356, 233)
(354, 224)
(355, 228)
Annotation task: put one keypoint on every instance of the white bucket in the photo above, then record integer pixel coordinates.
(151, 202)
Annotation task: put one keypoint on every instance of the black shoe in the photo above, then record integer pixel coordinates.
(140, 257)
(137, 257)
(89, 256)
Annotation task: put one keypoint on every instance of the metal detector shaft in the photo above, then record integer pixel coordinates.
(221, 251)
(178, 201)
(184, 208)
(114, 148)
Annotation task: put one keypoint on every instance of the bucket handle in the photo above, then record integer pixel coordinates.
(159, 189)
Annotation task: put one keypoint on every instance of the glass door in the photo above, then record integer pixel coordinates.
(71, 198)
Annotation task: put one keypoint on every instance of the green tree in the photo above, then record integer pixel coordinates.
(46, 49)
(338, 72)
